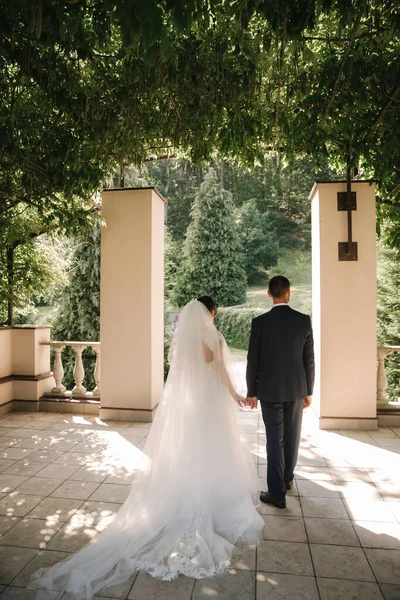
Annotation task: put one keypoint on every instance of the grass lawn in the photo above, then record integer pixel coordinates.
(42, 316)
(299, 300)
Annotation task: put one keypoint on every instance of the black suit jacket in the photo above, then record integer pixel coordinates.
(280, 360)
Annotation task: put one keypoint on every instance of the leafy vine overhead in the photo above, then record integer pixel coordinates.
(86, 85)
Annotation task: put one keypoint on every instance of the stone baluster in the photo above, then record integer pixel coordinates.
(58, 369)
(381, 377)
(383, 352)
(79, 371)
(96, 391)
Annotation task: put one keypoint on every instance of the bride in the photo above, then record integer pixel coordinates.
(194, 496)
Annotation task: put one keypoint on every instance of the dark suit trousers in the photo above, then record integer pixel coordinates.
(283, 427)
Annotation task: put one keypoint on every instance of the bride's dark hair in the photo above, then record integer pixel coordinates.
(208, 302)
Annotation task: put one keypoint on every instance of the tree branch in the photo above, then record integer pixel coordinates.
(381, 116)
(281, 58)
(37, 168)
(388, 203)
(162, 157)
(171, 97)
(343, 62)
(49, 128)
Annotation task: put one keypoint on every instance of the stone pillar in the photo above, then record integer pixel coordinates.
(132, 304)
(344, 309)
(6, 379)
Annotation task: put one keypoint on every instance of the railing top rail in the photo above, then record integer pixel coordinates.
(393, 348)
(61, 343)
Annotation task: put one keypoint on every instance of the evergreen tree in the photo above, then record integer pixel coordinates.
(78, 317)
(259, 240)
(212, 262)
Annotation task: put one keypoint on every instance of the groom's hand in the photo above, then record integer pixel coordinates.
(307, 401)
(252, 401)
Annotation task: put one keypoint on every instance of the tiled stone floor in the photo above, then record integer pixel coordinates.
(63, 477)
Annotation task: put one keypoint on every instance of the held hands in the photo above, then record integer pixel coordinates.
(240, 400)
(307, 401)
(252, 401)
(246, 402)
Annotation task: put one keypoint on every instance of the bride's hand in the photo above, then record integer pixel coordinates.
(241, 400)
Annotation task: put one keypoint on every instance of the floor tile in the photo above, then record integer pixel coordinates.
(97, 474)
(77, 490)
(284, 557)
(8, 483)
(111, 492)
(288, 529)
(335, 589)
(332, 508)
(374, 534)
(19, 593)
(342, 562)
(245, 561)
(55, 509)
(39, 485)
(6, 523)
(120, 590)
(348, 474)
(278, 586)
(25, 467)
(318, 489)
(96, 513)
(30, 533)
(331, 531)
(384, 475)
(46, 456)
(238, 585)
(369, 510)
(360, 490)
(21, 432)
(385, 564)
(13, 560)
(313, 473)
(6, 464)
(153, 589)
(43, 559)
(121, 476)
(389, 491)
(73, 536)
(73, 458)
(57, 471)
(390, 591)
(12, 453)
(394, 508)
(17, 504)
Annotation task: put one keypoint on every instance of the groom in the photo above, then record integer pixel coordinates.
(280, 373)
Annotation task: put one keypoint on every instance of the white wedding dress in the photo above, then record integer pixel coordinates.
(193, 500)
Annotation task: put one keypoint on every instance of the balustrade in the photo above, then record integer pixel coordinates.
(79, 390)
(383, 352)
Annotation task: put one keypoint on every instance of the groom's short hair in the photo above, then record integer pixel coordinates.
(278, 286)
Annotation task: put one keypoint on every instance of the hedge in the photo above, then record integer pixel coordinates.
(235, 324)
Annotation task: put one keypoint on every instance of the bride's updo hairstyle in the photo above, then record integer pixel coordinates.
(208, 302)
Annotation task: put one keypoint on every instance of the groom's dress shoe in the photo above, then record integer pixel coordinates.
(268, 499)
(289, 485)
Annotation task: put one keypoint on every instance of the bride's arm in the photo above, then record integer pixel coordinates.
(224, 374)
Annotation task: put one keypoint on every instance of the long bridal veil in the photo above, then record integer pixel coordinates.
(193, 497)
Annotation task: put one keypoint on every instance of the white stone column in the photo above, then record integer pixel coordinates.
(132, 304)
(344, 309)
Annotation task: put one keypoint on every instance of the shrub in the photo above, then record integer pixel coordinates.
(235, 325)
